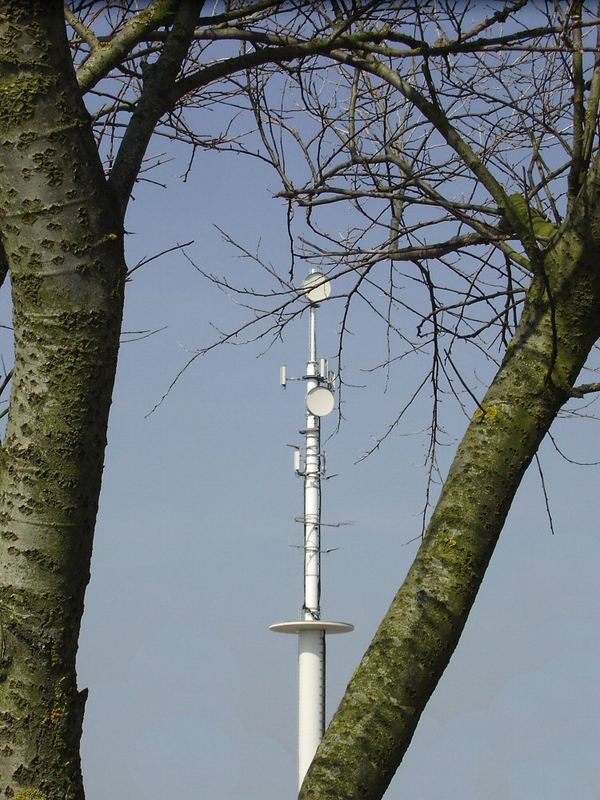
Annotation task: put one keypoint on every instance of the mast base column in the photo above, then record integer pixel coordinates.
(311, 696)
(311, 683)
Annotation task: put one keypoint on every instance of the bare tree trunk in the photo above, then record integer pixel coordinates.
(375, 722)
(62, 237)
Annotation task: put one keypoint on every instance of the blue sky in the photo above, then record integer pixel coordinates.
(189, 691)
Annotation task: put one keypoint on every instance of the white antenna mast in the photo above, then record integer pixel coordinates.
(311, 629)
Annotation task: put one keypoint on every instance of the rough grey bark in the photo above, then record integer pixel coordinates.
(62, 237)
(375, 722)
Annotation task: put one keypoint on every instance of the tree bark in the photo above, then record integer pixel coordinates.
(62, 237)
(374, 724)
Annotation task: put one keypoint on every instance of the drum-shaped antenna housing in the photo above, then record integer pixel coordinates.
(316, 287)
(320, 401)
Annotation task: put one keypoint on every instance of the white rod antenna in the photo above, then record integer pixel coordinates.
(310, 628)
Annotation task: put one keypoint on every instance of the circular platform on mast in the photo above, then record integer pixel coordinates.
(299, 625)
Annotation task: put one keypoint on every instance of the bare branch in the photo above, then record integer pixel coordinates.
(105, 55)
(150, 107)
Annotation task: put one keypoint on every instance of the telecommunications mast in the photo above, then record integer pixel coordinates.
(310, 628)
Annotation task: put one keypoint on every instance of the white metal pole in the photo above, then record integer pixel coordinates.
(310, 628)
(311, 645)
(311, 697)
(312, 487)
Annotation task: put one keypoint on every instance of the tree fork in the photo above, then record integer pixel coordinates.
(377, 717)
(63, 241)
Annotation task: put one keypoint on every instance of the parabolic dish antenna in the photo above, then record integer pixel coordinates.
(320, 401)
(316, 287)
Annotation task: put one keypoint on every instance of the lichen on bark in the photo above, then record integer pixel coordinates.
(30, 793)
